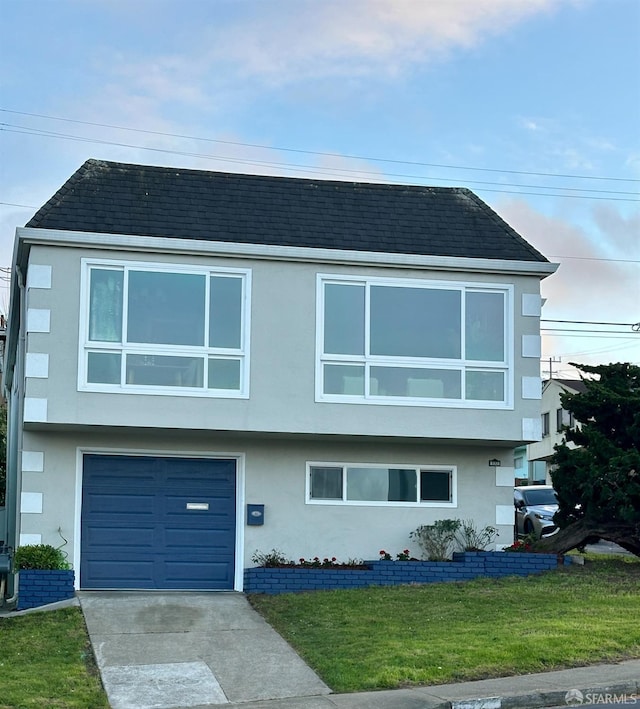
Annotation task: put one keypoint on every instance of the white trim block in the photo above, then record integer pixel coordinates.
(531, 388)
(31, 503)
(30, 539)
(505, 476)
(531, 429)
(38, 320)
(35, 409)
(32, 462)
(505, 514)
(36, 365)
(39, 276)
(531, 305)
(532, 346)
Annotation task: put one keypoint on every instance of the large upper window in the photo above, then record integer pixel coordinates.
(415, 341)
(337, 483)
(153, 327)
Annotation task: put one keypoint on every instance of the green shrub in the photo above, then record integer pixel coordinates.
(437, 540)
(472, 539)
(270, 559)
(40, 556)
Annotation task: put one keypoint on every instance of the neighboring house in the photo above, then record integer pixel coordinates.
(528, 472)
(554, 419)
(201, 365)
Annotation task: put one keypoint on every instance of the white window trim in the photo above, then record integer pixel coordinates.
(453, 469)
(85, 345)
(507, 366)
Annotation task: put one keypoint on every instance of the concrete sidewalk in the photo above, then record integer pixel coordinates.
(203, 650)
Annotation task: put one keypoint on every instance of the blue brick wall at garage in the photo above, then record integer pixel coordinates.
(38, 587)
(463, 567)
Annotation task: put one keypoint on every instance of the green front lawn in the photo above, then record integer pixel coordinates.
(46, 661)
(389, 637)
(378, 637)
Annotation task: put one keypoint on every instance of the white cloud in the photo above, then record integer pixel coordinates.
(294, 40)
(587, 287)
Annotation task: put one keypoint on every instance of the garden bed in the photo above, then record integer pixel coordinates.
(39, 587)
(464, 566)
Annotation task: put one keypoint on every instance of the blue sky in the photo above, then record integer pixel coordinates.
(530, 103)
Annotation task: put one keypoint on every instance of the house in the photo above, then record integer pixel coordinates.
(554, 420)
(528, 472)
(204, 365)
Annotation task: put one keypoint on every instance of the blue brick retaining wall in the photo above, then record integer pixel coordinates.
(37, 587)
(464, 566)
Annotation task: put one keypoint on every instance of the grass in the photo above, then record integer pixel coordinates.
(46, 661)
(390, 637)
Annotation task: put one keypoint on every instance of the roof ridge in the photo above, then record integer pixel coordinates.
(170, 168)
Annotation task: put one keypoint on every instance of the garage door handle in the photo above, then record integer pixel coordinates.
(197, 505)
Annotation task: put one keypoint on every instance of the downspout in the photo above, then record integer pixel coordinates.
(15, 404)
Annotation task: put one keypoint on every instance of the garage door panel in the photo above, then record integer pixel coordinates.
(122, 571)
(121, 539)
(137, 531)
(203, 571)
(198, 539)
(124, 504)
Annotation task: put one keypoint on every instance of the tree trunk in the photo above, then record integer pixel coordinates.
(582, 532)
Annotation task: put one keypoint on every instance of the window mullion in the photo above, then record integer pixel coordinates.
(125, 307)
(125, 326)
(367, 331)
(463, 344)
(207, 331)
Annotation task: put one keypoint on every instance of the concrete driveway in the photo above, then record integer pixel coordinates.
(161, 650)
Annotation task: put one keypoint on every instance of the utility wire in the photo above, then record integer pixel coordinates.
(316, 170)
(320, 153)
(590, 322)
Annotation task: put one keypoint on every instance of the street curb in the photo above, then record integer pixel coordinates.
(551, 698)
(57, 605)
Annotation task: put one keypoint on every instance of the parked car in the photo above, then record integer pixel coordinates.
(535, 506)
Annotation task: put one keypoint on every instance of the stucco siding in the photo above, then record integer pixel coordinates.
(282, 361)
(273, 473)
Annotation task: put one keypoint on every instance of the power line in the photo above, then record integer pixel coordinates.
(595, 258)
(321, 153)
(601, 335)
(604, 333)
(12, 204)
(317, 170)
(589, 322)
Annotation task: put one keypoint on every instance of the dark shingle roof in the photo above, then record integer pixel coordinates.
(576, 384)
(117, 198)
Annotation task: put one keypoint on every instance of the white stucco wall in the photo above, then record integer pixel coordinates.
(283, 335)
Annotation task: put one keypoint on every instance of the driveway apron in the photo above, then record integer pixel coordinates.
(162, 650)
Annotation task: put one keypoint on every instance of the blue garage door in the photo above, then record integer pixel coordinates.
(157, 523)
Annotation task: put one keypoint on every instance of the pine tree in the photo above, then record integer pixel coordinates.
(598, 483)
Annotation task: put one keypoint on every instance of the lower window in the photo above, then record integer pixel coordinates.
(350, 484)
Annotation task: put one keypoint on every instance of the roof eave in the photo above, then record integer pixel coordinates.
(120, 242)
